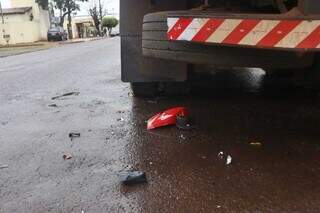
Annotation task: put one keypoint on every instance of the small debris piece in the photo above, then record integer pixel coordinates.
(120, 119)
(220, 154)
(66, 94)
(166, 118)
(4, 166)
(218, 206)
(133, 177)
(182, 137)
(255, 143)
(152, 101)
(229, 159)
(183, 122)
(67, 157)
(120, 111)
(53, 105)
(74, 135)
(4, 123)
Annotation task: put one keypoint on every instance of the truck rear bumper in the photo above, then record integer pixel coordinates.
(291, 31)
(227, 40)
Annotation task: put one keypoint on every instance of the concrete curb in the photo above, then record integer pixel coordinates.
(22, 45)
(81, 41)
(50, 43)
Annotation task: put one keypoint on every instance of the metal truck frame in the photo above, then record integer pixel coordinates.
(162, 40)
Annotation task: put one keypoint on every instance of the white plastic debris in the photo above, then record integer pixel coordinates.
(220, 154)
(182, 137)
(255, 143)
(229, 160)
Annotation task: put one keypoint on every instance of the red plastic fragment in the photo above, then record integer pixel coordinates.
(166, 118)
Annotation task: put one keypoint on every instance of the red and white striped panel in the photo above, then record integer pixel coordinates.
(296, 34)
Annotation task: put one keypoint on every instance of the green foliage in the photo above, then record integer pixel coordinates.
(109, 22)
(94, 13)
(66, 7)
(43, 4)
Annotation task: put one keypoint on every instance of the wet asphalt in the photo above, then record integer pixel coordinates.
(272, 136)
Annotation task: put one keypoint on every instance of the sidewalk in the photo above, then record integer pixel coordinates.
(22, 48)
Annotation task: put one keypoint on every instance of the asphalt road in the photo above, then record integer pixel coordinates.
(273, 139)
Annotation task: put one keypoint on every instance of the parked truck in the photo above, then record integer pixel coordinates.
(163, 41)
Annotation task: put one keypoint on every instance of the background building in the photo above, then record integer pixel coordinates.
(24, 22)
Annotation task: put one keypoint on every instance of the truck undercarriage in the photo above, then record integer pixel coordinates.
(155, 52)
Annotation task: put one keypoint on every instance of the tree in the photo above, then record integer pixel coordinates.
(66, 7)
(109, 23)
(43, 3)
(95, 16)
(97, 12)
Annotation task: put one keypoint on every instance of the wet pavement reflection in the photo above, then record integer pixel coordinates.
(234, 112)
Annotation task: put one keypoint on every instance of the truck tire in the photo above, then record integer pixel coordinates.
(144, 89)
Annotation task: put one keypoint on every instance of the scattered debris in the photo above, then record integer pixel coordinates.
(4, 123)
(133, 177)
(152, 101)
(130, 94)
(220, 155)
(4, 166)
(229, 159)
(74, 135)
(168, 117)
(182, 137)
(53, 105)
(67, 157)
(255, 143)
(183, 122)
(66, 94)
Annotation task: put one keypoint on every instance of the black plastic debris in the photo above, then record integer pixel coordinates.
(66, 94)
(67, 156)
(53, 105)
(74, 135)
(4, 166)
(133, 177)
(184, 123)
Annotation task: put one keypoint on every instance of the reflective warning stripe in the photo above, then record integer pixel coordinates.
(178, 28)
(297, 34)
